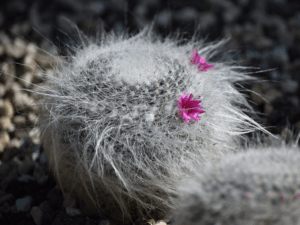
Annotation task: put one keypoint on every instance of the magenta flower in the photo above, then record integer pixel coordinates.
(189, 108)
(200, 62)
(246, 195)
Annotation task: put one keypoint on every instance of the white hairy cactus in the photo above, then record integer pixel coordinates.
(110, 124)
(258, 186)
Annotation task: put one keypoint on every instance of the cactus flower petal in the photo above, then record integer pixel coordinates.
(189, 108)
(200, 62)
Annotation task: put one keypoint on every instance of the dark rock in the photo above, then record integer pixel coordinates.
(26, 222)
(188, 14)
(253, 56)
(207, 20)
(290, 86)
(2, 19)
(62, 218)
(91, 222)
(276, 28)
(278, 56)
(14, 218)
(263, 43)
(55, 198)
(231, 13)
(294, 52)
(37, 215)
(164, 18)
(280, 7)
(24, 204)
(7, 197)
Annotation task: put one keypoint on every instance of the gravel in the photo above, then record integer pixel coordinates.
(265, 34)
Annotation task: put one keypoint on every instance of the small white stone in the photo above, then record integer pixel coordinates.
(161, 222)
(24, 204)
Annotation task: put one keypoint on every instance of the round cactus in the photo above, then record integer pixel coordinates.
(121, 120)
(254, 187)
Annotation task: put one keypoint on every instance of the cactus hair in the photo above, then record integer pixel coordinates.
(255, 186)
(109, 124)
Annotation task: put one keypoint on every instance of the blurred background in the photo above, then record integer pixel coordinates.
(264, 34)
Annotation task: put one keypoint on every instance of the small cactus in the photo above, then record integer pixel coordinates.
(255, 187)
(111, 125)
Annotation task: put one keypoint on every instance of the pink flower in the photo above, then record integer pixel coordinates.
(189, 108)
(200, 62)
(246, 195)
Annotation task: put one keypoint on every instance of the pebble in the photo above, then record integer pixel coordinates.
(17, 49)
(5, 167)
(207, 20)
(38, 171)
(6, 124)
(35, 136)
(26, 166)
(45, 206)
(4, 39)
(290, 86)
(5, 198)
(55, 198)
(35, 154)
(268, 108)
(37, 215)
(43, 180)
(6, 109)
(278, 56)
(161, 222)
(24, 103)
(8, 72)
(29, 63)
(272, 94)
(163, 18)
(21, 29)
(187, 15)
(4, 140)
(72, 211)
(263, 43)
(5, 208)
(31, 49)
(24, 204)
(2, 92)
(27, 79)
(104, 222)
(2, 50)
(11, 176)
(62, 218)
(32, 118)
(43, 159)
(25, 178)
(231, 13)
(19, 121)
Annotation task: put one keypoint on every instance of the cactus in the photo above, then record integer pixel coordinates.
(254, 187)
(110, 123)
